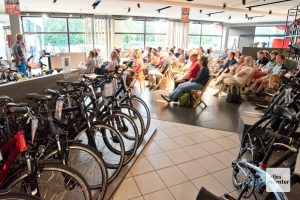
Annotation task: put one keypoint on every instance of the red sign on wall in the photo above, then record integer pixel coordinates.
(12, 7)
(185, 15)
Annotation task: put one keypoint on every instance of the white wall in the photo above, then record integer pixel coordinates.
(2, 43)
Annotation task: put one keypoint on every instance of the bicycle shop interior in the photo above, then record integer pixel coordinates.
(149, 99)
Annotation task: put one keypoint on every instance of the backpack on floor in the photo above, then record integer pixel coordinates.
(185, 100)
(234, 95)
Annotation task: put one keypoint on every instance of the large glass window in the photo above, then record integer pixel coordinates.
(128, 26)
(206, 36)
(156, 41)
(127, 41)
(271, 30)
(41, 24)
(194, 42)
(195, 29)
(156, 27)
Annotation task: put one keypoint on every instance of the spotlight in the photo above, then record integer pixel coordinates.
(244, 2)
(158, 11)
(229, 17)
(139, 5)
(129, 9)
(96, 3)
(200, 11)
(270, 12)
(249, 8)
(54, 1)
(209, 15)
(224, 5)
(246, 15)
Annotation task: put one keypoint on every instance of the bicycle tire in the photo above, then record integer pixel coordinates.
(17, 196)
(113, 158)
(138, 120)
(131, 145)
(93, 166)
(21, 175)
(129, 102)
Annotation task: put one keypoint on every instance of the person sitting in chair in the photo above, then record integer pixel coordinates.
(191, 71)
(225, 68)
(242, 74)
(111, 65)
(197, 83)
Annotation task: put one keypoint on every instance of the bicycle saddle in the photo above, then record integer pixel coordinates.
(284, 112)
(63, 83)
(38, 97)
(5, 99)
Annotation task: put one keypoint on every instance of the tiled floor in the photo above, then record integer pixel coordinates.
(178, 161)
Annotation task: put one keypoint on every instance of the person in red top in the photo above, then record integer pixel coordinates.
(191, 72)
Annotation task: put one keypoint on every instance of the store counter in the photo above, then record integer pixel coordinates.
(18, 90)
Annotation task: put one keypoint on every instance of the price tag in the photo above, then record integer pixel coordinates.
(58, 109)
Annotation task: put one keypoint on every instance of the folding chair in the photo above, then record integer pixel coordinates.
(197, 95)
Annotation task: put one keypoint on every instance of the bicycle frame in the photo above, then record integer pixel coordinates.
(19, 146)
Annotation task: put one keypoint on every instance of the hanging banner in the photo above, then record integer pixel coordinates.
(12, 7)
(185, 15)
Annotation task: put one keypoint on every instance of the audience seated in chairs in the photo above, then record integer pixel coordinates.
(91, 63)
(159, 72)
(104, 69)
(260, 84)
(261, 59)
(225, 67)
(241, 77)
(197, 83)
(191, 72)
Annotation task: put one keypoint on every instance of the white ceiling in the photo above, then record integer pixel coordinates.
(234, 8)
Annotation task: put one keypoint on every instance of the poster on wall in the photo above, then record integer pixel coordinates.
(12, 7)
(185, 15)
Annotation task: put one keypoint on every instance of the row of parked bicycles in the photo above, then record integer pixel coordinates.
(272, 142)
(66, 142)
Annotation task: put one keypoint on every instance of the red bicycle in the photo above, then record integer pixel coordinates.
(22, 171)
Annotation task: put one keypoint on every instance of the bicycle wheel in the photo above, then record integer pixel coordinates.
(17, 196)
(113, 154)
(50, 181)
(239, 174)
(129, 132)
(137, 118)
(140, 105)
(87, 161)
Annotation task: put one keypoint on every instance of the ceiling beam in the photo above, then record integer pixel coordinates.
(203, 7)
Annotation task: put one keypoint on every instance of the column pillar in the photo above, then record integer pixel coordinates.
(15, 26)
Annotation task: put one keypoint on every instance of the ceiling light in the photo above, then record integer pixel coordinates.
(45, 16)
(139, 5)
(129, 9)
(189, 0)
(229, 17)
(209, 15)
(27, 14)
(129, 19)
(200, 11)
(246, 15)
(96, 3)
(249, 8)
(54, 1)
(270, 12)
(70, 15)
(224, 5)
(244, 2)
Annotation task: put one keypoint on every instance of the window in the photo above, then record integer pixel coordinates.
(39, 24)
(54, 43)
(211, 41)
(127, 26)
(194, 42)
(212, 29)
(272, 30)
(77, 43)
(156, 41)
(195, 29)
(78, 25)
(156, 27)
(127, 41)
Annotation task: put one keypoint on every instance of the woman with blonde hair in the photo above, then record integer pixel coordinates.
(241, 77)
(91, 63)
